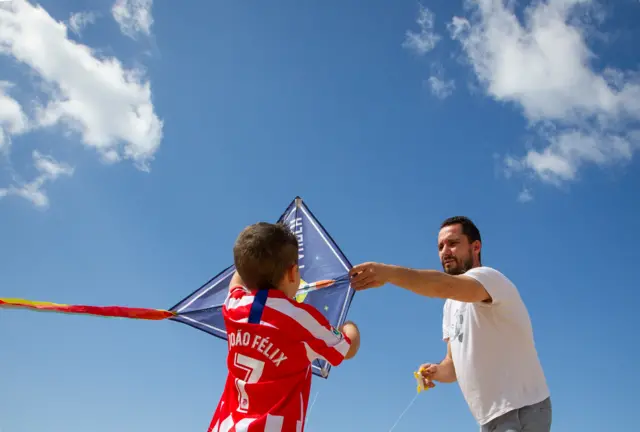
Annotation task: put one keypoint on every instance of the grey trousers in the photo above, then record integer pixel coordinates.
(531, 418)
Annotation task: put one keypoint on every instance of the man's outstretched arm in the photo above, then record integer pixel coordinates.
(428, 283)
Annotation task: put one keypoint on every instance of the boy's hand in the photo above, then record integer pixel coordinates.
(351, 331)
(349, 325)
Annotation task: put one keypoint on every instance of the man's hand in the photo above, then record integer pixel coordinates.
(444, 372)
(429, 372)
(369, 275)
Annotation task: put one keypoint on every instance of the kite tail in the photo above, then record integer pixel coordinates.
(104, 311)
(128, 312)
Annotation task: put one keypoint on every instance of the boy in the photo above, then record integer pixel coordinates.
(272, 339)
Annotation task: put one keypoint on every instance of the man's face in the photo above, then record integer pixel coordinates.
(455, 252)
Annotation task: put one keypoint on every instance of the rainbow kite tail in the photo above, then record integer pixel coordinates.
(104, 311)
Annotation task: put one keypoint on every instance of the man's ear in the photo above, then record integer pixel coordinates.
(477, 246)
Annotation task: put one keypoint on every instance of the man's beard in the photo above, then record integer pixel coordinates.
(459, 267)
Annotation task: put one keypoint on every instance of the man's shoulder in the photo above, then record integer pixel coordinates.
(484, 269)
(499, 286)
(486, 274)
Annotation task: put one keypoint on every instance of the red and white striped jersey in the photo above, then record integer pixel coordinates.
(272, 341)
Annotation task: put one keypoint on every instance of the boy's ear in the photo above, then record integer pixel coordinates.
(292, 272)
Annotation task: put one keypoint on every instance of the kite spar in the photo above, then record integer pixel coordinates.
(324, 271)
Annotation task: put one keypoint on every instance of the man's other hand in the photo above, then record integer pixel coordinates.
(429, 372)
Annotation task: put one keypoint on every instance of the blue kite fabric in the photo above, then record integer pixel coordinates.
(320, 260)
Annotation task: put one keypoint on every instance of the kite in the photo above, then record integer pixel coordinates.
(325, 285)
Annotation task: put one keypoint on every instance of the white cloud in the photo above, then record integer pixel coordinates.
(48, 170)
(525, 196)
(108, 105)
(569, 150)
(440, 87)
(95, 98)
(13, 120)
(425, 40)
(79, 20)
(543, 66)
(133, 16)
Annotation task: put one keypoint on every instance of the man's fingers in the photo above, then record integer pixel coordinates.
(361, 280)
(427, 368)
(429, 383)
(357, 273)
(358, 278)
(428, 371)
(358, 269)
(362, 284)
(364, 276)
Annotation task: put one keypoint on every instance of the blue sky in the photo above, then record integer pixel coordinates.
(112, 192)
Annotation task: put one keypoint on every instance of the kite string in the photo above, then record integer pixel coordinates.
(404, 412)
(306, 420)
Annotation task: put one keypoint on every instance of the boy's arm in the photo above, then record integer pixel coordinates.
(323, 341)
(327, 342)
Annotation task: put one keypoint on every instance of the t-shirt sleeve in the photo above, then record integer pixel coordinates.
(497, 285)
(321, 339)
(446, 324)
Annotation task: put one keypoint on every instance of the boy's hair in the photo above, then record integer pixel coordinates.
(262, 254)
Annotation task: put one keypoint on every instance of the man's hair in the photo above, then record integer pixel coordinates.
(469, 229)
(262, 254)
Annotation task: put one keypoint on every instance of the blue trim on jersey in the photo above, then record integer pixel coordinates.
(257, 307)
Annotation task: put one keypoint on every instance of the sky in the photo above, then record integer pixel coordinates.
(138, 138)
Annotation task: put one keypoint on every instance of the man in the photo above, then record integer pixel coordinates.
(490, 345)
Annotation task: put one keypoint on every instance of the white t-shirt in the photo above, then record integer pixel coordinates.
(493, 349)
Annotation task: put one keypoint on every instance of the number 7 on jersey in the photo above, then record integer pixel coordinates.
(253, 369)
